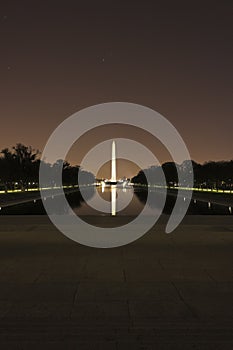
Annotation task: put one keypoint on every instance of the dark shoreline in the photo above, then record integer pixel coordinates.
(225, 199)
(8, 199)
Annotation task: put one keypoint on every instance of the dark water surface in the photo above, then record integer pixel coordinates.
(133, 200)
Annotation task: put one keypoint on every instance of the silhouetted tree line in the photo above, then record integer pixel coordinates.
(19, 168)
(214, 175)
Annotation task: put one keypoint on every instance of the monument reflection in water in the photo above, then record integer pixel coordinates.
(113, 183)
(113, 200)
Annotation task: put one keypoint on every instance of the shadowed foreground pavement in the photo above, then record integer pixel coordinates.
(161, 292)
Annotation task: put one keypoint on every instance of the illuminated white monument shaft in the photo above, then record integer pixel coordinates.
(113, 179)
(113, 175)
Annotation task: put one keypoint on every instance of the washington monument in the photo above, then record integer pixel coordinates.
(113, 169)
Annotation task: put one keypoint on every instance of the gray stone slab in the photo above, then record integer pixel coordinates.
(160, 292)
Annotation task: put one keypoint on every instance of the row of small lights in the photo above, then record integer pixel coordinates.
(156, 186)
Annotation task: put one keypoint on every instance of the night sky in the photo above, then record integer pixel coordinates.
(175, 57)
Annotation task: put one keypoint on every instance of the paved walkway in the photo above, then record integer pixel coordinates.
(161, 292)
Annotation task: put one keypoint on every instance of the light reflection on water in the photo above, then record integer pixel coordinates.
(133, 201)
(125, 198)
(113, 201)
(120, 202)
